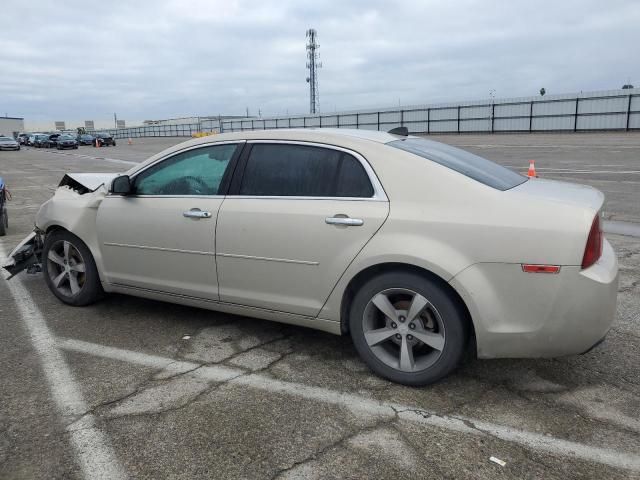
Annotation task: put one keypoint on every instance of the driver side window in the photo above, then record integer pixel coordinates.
(195, 172)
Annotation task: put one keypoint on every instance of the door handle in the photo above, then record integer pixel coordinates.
(196, 213)
(350, 222)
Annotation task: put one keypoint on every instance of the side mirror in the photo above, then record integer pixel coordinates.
(121, 185)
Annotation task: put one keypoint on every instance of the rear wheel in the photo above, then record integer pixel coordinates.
(408, 328)
(69, 269)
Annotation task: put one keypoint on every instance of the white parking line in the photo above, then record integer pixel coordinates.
(92, 447)
(368, 406)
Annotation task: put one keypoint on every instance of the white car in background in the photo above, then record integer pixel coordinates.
(8, 143)
(418, 250)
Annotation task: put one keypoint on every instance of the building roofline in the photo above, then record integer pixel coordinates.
(12, 118)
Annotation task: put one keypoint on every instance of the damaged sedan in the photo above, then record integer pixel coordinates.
(421, 252)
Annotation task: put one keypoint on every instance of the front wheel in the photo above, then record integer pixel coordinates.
(408, 328)
(69, 269)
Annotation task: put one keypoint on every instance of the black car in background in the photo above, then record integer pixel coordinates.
(104, 140)
(51, 141)
(66, 141)
(85, 139)
(38, 140)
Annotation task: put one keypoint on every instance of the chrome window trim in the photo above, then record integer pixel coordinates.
(379, 195)
(167, 157)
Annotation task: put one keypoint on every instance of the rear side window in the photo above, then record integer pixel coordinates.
(473, 166)
(303, 171)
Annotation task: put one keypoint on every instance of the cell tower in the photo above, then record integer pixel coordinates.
(313, 65)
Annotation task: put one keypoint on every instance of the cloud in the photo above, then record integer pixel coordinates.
(168, 58)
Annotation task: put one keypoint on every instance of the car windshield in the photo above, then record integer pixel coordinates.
(65, 137)
(473, 166)
(86, 137)
(6, 139)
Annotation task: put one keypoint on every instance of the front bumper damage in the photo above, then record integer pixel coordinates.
(26, 256)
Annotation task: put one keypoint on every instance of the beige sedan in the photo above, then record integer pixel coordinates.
(420, 251)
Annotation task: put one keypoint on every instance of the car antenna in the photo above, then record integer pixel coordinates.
(402, 131)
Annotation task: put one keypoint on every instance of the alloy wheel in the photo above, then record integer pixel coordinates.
(403, 329)
(66, 268)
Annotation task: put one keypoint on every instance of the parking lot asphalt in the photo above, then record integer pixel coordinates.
(142, 389)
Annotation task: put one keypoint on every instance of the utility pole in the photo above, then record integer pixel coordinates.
(115, 120)
(313, 65)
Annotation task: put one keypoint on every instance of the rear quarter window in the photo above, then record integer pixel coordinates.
(473, 166)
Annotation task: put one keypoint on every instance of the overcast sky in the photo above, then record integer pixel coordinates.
(149, 59)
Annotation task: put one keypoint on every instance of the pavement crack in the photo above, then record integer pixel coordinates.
(330, 446)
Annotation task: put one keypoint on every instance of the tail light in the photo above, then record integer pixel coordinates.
(593, 250)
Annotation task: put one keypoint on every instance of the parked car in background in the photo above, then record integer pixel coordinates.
(4, 216)
(420, 251)
(23, 138)
(85, 139)
(104, 140)
(8, 143)
(51, 141)
(38, 140)
(66, 141)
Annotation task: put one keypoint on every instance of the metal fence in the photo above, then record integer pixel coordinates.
(591, 111)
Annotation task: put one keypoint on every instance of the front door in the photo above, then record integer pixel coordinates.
(298, 216)
(162, 236)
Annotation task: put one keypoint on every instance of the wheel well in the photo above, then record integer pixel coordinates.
(368, 273)
(53, 228)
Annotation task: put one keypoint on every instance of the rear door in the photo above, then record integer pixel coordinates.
(296, 216)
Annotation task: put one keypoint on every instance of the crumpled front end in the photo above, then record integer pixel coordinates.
(73, 207)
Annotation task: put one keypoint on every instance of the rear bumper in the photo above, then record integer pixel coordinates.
(517, 314)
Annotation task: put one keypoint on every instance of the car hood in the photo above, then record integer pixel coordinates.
(87, 182)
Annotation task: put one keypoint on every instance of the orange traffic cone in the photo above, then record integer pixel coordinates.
(97, 143)
(532, 170)
(129, 141)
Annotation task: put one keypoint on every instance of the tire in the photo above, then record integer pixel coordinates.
(114, 143)
(59, 272)
(441, 322)
(4, 221)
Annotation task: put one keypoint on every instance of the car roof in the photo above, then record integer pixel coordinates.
(343, 137)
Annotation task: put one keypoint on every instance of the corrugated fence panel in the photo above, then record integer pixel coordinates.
(444, 113)
(602, 122)
(313, 122)
(634, 120)
(602, 105)
(512, 110)
(415, 115)
(417, 127)
(475, 125)
(390, 117)
(330, 121)
(510, 124)
(475, 112)
(552, 123)
(348, 120)
(297, 122)
(368, 119)
(448, 126)
(554, 108)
